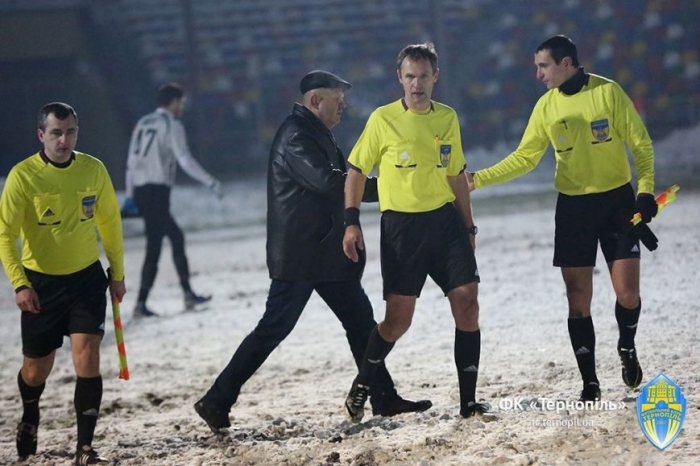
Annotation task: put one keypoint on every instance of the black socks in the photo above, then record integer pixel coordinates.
(87, 400)
(88, 396)
(467, 351)
(627, 320)
(582, 336)
(377, 349)
(30, 400)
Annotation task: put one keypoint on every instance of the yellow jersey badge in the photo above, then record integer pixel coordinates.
(88, 203)
(601, 131)
(445, 153)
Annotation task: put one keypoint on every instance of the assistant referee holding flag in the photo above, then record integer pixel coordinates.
(56, 201)
(588, 119)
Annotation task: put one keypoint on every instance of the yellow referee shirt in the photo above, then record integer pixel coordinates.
(588, 131)
(414, 153)
(55, 212)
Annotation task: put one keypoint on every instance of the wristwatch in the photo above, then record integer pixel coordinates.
(473, 230)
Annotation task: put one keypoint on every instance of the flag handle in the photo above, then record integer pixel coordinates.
(119, 334)
(662, 200)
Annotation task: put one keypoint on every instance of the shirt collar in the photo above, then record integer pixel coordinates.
(405, 107)
(575, 83)
(55, 164)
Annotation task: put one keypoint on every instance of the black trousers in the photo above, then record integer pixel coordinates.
(285, 302)
(153, 201)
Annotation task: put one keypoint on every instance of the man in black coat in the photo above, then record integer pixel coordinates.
(305, 209)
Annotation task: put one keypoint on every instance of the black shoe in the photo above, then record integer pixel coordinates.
(355, 402)
(215, 418)
(86, 455)
(397, 405)
(590, 392)
(631, 371)
(26, 439)
(192, 300)
(141, 310)
(473, 408)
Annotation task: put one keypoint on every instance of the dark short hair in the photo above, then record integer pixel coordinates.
(416, 52)
(59, 109)
(169, 92)
(559, 47)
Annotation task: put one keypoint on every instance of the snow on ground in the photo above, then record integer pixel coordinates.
(290, 412)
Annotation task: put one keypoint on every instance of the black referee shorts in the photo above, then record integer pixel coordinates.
(415, 245)
(581, 222)
(74, 303)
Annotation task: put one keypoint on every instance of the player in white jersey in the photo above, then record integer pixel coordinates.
(158, 145)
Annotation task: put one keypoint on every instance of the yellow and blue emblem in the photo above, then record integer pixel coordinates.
(661, 409)
(445, 153)
(88, 203)
(600, 130)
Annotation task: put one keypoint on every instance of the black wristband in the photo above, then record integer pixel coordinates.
(21, 288)
(352, 216)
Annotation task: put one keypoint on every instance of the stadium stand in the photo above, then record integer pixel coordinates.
(242, 59)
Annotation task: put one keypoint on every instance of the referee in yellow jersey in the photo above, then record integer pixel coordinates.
(426, 227)
(588, 119)
(55, 202)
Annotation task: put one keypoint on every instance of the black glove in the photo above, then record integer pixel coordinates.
(645, 236)
(646, 206)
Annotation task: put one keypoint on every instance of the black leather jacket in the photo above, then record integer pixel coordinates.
(305, 203)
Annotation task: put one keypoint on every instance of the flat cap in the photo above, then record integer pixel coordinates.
(319, 78)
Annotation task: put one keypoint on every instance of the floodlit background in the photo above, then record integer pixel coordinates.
(241, 61)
